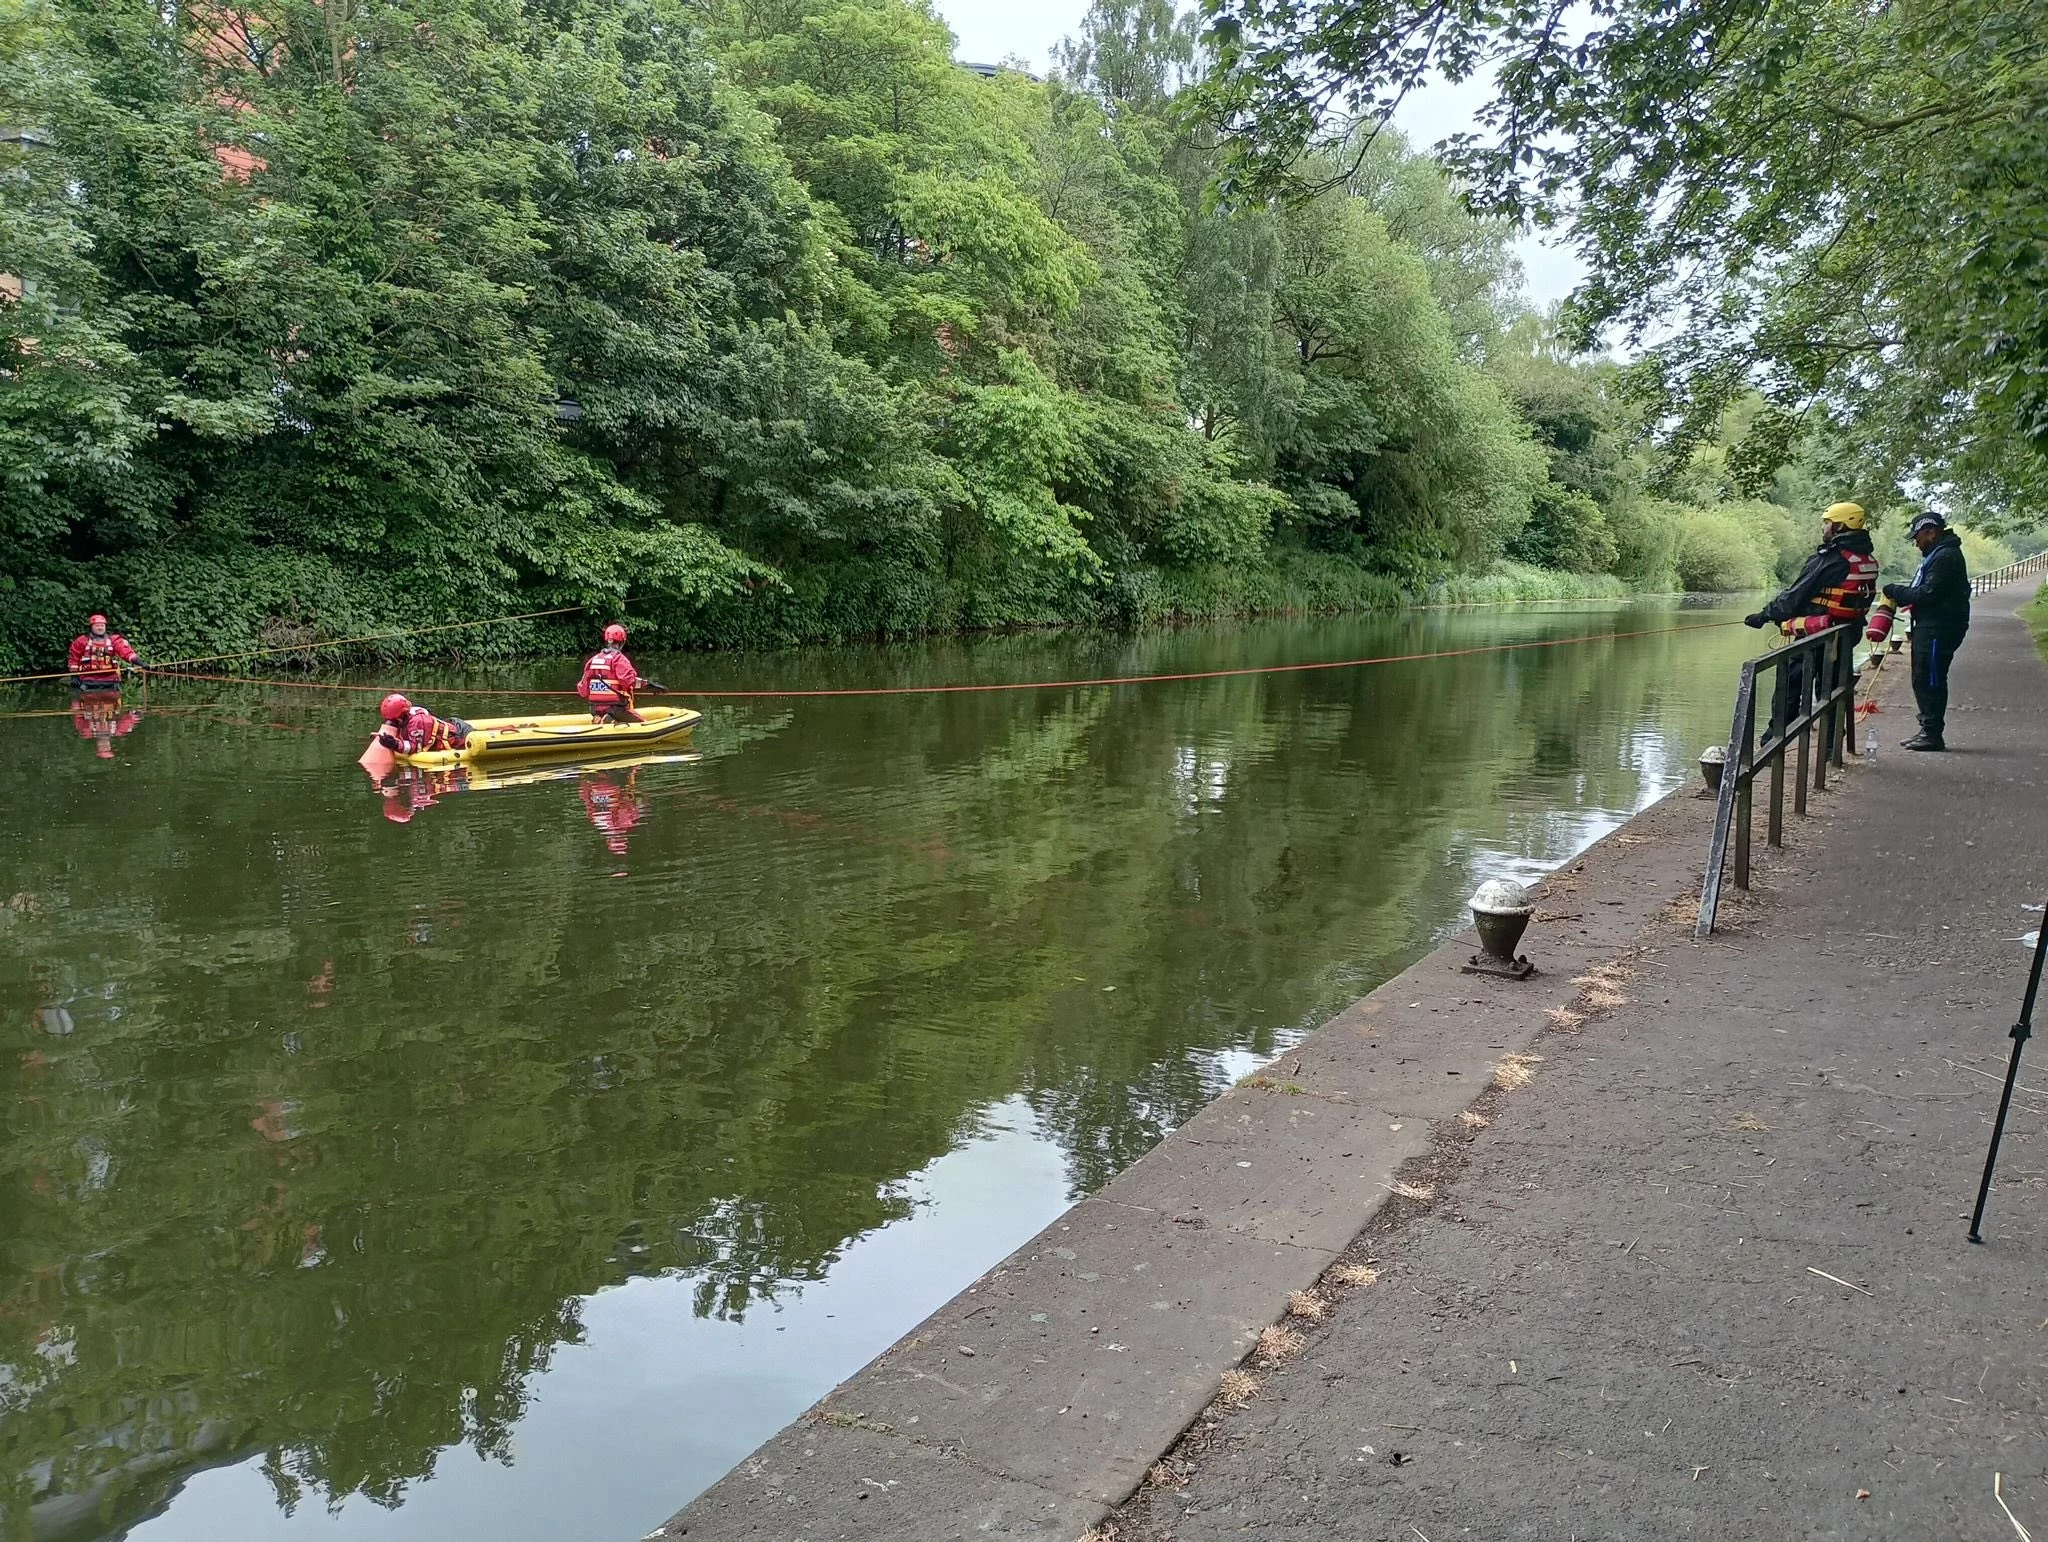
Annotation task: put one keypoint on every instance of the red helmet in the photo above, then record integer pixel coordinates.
(95, 620)
(395, 705)
(615, 633)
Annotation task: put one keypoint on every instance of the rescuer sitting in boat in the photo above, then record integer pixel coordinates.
(609, 680)
(97, 656)
(410, 729)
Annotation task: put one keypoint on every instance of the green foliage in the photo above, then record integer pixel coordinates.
(765, 322)
(1508, 583)
(1218, 520)
(1717, 552)
(1565, 529)
(2035, 614)
(1981, 552)
(1841, 207)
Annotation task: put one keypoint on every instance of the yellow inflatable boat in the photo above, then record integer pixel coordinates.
(494, 739)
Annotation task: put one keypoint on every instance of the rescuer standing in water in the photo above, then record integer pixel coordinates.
(97, 656)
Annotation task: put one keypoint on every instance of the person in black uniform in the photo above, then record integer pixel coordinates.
(1940, 598)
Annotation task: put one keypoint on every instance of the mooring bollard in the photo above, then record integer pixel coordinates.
(1713, 761)
(1501, 910)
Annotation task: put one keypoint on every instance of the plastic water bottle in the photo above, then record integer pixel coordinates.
(1870, 744)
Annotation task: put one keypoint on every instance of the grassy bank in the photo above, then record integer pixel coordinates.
(2035, 614)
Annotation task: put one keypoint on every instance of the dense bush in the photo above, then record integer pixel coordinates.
(760, 323)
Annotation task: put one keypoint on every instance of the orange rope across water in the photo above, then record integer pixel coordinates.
(1001, 685)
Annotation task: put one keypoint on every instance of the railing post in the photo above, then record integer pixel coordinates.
(1743, 817)
(1824, 699)
(1816, 689)
(1745, 764)
(1799, 778)
(1827, 665)
(1845, 741)
(1724, 805)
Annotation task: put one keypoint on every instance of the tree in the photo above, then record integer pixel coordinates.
(1843, 207)
(1423, 447)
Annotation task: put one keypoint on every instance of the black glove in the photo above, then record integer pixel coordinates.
(1755, 618)
(652, 685)
(1892, 592)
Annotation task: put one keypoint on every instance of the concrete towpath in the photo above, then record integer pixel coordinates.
(1667, 1242)
(1706, 1275)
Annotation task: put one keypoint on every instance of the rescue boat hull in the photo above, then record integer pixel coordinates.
(496, 739)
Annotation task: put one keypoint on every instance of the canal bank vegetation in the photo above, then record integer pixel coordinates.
(764, 323)
(2035, 614)
(1818, 228)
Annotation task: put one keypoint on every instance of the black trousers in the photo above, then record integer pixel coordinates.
(1932, 652)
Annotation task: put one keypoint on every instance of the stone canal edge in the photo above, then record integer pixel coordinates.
(1038, 1399)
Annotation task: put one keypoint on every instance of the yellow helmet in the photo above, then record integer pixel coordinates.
(1849, 515)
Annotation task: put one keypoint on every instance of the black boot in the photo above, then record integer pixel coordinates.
(1923, 741)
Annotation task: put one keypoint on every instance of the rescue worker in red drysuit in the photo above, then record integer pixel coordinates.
(609, 680)
(97, 656)
(413, 730)
(97, 716)
(613, 809)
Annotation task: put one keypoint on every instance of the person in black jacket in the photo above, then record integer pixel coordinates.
(1837, 587)
(1940, 597)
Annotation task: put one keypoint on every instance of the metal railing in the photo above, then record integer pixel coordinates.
(1813, 688)
(2026, 567)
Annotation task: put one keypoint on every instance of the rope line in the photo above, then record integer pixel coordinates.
(1001, 685)
(170, 666)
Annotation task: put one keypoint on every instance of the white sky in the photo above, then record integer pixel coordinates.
(993, 30)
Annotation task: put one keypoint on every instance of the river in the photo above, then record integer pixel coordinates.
(506, 1162)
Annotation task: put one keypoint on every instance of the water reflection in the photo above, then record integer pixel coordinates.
(427, 1182)
(100, 718)
(608, 788)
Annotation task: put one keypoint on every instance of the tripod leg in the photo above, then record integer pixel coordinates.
(2021, 1032)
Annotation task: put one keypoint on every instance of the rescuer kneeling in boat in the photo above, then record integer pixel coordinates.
(413, 730)
(609, 680)
(97, 656)
(1835, 588)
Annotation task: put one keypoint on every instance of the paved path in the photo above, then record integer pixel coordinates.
(1607, 1323)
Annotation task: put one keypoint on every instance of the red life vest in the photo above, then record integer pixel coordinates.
(1849, 601)
(99, 657)
(608, 677)
(419, 731)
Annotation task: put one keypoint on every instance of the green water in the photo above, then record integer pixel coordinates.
(509, 1172)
